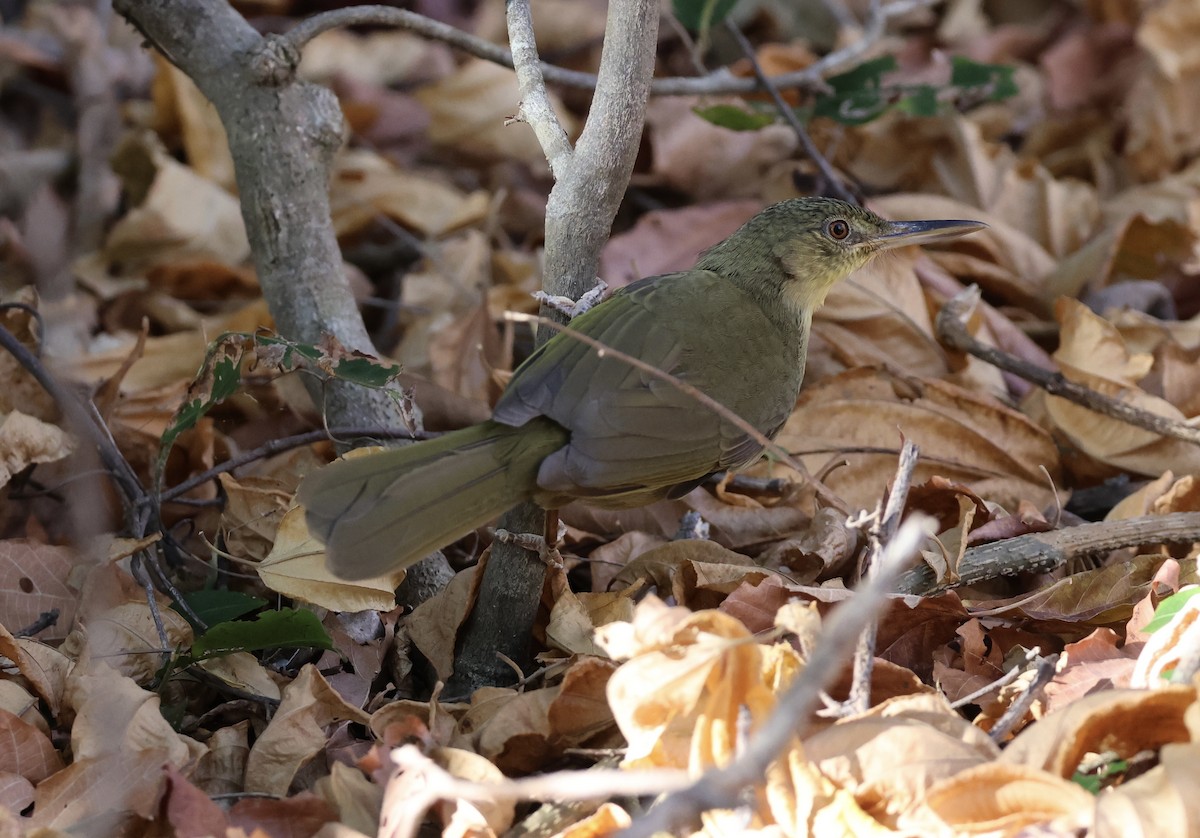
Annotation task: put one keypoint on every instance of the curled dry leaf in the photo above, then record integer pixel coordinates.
(364, 184)
(295, 567)
(469, 111)
(1167, 797)
(1093, 354)
(25, 440)
(181, 108)
(1162, 104)
(574, 618)
(1005, 799)
(1095, 661)
(113, 715)
(44, 667)
(296, 732)
(1121, 721)
(821, 551)
(523, 732)
(179, 214)
(28, 752)
(858, 417)
(689, 677)
(890, 757)
(250, 520)
(704, 160)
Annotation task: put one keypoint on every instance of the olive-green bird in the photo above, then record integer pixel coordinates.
(574, 424)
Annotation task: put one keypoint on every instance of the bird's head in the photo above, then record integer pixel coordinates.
(796, 250)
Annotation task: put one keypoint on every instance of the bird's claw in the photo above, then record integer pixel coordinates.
(573, 308)
(534, 543)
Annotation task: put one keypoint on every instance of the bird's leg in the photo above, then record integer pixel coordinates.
(572, 308)
(545, 545)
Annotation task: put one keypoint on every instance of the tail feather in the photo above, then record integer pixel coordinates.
(388, 510)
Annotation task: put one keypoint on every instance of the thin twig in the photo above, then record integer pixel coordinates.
(824, 492)
(44, 621)
(1003, 680)
(1044, 551)
(536, 109)
(951, 328)
(1016, 711)
(831, 182)
(79, 417)
(276, 446)
(721, 788)
(880, 534)
(286, 48)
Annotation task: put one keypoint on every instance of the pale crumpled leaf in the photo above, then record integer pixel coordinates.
(1092, 353)
(689, 676)
(859, 417)
(296, 732)
(25, 440)
(295, 567)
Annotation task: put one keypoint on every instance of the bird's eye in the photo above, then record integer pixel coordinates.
(837, 229)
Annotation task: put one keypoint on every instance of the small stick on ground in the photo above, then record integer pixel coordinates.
(830, 184)
(1016, 711)
(1045, 551)
(951, 329)
(880, 534)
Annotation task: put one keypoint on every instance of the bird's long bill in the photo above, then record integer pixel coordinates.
(922, 232)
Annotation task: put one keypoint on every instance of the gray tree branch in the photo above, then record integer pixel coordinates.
(282, 138)
(589, 185)
(720, 82)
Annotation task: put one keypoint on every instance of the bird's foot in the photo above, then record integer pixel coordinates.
(534, 543)
(573, 308)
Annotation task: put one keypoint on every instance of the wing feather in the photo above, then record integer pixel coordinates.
(630, 429)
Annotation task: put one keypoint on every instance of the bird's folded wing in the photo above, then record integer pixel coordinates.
(630, 428)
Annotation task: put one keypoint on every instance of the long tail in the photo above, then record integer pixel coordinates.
(388, 510)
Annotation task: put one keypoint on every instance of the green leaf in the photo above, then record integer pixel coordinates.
(920, 100)
(366, 371)
(287, 628)
(702, 15)
(1168, 608)
(218, 379)
(218, 606)
(866, 76)
(1094, 781)
(734, 118)
(994, 81)
(858, 95)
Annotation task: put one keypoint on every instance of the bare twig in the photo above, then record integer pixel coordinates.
(44, 621)
(1003, 680)
(536, 109)
(587, 192)
(720, 788)
(951, 328)
(276, 446)
(1016, 711)
(831, 183)
(282, 53)
(1044, 551)
(880, 534)
(80, 418)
